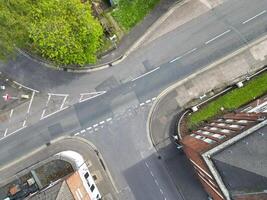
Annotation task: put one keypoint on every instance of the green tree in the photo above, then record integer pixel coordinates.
(63, 31)
(14, 23)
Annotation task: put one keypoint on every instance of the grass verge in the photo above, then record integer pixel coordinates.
(230, 101)
(130, 12)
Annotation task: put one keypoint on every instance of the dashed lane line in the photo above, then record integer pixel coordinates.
(185, 54)
(218, 36)
(153, 70)
(254, 17)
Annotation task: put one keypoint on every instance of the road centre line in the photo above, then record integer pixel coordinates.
(102, 122)
(76, 134)
(141, 104)
(218, 36)
(95, 125)
(259, 14)
(89, 128)
(185, 54)
(145, 74)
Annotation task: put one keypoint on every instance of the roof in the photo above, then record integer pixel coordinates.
(58, 191)
(243, 165)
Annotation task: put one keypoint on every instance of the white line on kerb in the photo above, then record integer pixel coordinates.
(146, 74)
(248, 20)
(218, 36)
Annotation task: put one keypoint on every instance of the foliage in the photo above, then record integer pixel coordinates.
(130, 12)
(63, 31)
(230, 101)
(14, 22)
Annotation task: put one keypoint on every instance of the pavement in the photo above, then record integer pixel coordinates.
(116, 121)
(92, 157)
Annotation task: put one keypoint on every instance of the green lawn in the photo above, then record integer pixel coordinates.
(129, 12)
(230, 101)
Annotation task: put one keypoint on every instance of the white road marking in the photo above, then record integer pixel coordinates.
(218, 36)
(11, 113)
(49, 97)
(96, 94)
(60, 95)
(185, 54)
(248, 20)
(102, 122)
(63, 102)
(89, 128)
(109, 119)
(5, 132)
(175, 59)
(42, 114)
(24, 123)
(156, 182)
(146, 165)
(76, 134)
(148, 101)
(95, 125)
(43, 117)
(161, 191)
(151, 173)
(141, 104)
(30, 104)
(83, 131)
(25, 87)
(146, 74)
(154, 98)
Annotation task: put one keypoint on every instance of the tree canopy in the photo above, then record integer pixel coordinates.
(63, 31)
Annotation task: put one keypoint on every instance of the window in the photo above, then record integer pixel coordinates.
(209, 141)
(86, 175)
(92, 188)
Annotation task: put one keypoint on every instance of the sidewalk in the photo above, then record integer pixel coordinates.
(95, 162)
(164, 114)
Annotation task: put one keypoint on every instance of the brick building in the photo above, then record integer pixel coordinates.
(229, 154)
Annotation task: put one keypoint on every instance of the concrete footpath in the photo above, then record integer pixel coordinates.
(171, 102)
(92, 157)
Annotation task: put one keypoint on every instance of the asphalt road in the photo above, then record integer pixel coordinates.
(116, 121)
